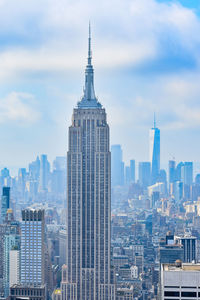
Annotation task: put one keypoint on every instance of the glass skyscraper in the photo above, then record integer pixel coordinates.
(89, 273)
(154, 152)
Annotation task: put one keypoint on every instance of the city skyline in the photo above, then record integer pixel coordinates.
(157, 69)
(105, 201)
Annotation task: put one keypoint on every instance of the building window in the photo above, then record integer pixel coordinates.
(171, 294)
(188, 294)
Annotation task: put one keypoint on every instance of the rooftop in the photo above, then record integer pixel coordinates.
(182, 267)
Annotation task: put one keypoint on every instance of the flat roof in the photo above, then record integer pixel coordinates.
(184, 267)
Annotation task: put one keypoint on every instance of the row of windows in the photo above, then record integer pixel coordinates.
(182, 287)
(183, 294)
(26, 292)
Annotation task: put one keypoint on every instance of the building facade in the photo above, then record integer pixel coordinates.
(180, 281)
(32, 247)
(189, 244)
(89, 273)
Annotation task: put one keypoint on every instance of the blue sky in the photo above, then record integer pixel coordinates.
(146, 55)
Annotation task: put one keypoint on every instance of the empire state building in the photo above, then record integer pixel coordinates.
(89, 275)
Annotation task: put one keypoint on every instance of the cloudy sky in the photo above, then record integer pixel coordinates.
(146, 55)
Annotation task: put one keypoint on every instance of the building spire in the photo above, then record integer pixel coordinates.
(89, 46)
(154, 120)
(89, 99)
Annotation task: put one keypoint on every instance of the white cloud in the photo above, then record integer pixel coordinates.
(125, 32)
(18, 107)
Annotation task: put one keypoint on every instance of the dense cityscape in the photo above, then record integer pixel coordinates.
(89, 227)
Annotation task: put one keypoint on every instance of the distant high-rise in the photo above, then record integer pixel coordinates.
(154, 152)
(117, 166)
(32, 247)
(130, 173)
(88, 273)
(178, 171)
(132, 170)
(144, 174)
(22, 182)
(44, 173)
(5, 179)
(187, 173)
(5, 203)
(34, 169)
(172, 171)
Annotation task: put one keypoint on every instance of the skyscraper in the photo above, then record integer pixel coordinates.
(144, 174)
(154, 152)
(5, 202)
(89, 273)
(132, 170)
(32, 247)
(187, 173)
(44, 173)
(22, 175)
(172, 171)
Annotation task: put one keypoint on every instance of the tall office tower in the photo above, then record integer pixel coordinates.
(5, 203)
(89, 274)
(32, 247)
(34, 169)
(144, 174)
(154, 152)
(32, 183)
(5, 179)
(44, 173)
(187, 173)
(132, 170)
(172, 171)
(178, 171)
(189, 248)
(22, 176)
(117, 166)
